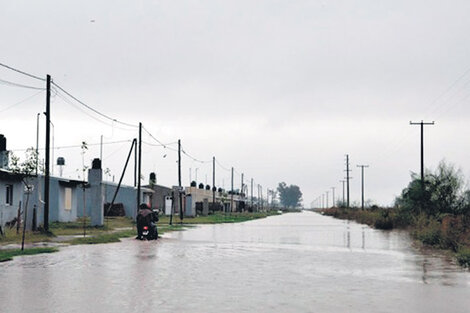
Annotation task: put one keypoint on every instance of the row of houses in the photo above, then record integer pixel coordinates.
(70, 199)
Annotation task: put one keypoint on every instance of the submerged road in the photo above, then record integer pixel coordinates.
(299, 262)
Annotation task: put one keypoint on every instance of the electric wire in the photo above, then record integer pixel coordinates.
(79, 146)
(21, 101)
(22, 72)
(13, 84)
(94, 110)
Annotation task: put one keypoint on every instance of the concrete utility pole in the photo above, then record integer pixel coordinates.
(241, 188)
(37, 143)
(333, 189)
(252, 193)
(179, 181)
(422, 146)
(362, 183)
(48, 153)
(139, 166)
(213, 183)
(347, 180)
(136, 165)
(343, 182)
(231, 194)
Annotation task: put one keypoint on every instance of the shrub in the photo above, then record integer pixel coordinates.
(463, 257)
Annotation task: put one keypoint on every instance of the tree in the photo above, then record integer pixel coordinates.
(442, 194)
(26, 170)
(290, 196)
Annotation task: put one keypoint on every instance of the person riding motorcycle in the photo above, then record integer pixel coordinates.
(149, 218)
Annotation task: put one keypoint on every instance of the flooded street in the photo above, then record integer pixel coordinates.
(301, 262)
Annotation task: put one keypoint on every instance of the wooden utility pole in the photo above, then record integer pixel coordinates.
(179, 181)
(422, 124)
(48, 153)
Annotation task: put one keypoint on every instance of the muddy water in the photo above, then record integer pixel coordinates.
(291, 263)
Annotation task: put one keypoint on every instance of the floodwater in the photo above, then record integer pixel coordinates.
(299, 262)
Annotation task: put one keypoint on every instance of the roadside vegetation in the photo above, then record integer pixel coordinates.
(113, 230)
(7, 255)
(438, 214)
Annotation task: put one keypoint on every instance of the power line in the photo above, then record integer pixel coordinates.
(13, 84)
(221, 166)
(153, 137)
(92, 109)
(79, 146)
(165, 145)
(193, 158)
(22, 72)
(19, 102)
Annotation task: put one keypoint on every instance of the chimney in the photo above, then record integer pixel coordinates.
(153, 179)
(96, 192)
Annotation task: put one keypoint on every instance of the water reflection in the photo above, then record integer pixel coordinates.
(290, 263)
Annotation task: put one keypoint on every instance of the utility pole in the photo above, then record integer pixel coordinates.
(241, 188)
(252, 193)
(347, 180)
(136, 161)
(179, 181)
(362, 183)
(422, 124)
(139, 166)
(101, 150)
(327, 199)
(48, 153)
(37, 143)
(231, 194)
(213, 183)
(333, 189)
(322, 200)
(343, 182)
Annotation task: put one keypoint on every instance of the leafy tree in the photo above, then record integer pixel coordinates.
(442, 194)
(290, 196)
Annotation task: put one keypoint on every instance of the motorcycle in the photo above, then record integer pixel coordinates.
(146, 224)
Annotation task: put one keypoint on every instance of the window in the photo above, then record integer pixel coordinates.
(9, 195)
(68, 199)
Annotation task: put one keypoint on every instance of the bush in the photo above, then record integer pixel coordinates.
(463, 257)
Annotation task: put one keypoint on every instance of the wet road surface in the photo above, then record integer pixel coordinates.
(299, 262)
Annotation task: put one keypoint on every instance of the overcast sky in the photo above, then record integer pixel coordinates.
(281, 90)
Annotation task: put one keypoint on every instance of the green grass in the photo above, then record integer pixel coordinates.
(103, 238)
(7, 255)
(107, 233)
(218, 218)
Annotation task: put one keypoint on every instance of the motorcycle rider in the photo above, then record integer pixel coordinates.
(146, 217)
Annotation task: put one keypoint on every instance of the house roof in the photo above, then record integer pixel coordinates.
(4, 174)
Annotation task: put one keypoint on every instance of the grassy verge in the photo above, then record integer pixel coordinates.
(112, 230)
(219, 218)
(7, 255)
(447, 232)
